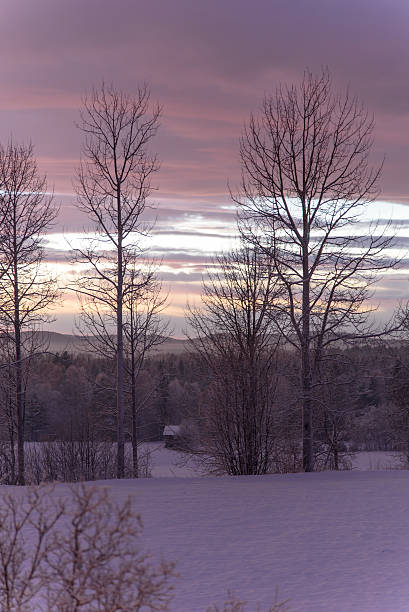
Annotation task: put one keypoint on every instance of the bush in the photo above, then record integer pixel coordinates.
(233, 604)
(81, 555)
(69, 461)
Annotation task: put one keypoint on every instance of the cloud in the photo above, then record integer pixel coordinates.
(209, 64)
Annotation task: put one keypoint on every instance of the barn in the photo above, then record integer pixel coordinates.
(171, 434)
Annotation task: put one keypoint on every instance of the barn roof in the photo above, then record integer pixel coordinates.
(171, 430)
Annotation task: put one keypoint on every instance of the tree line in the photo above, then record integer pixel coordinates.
(360, 404)
(295, 291)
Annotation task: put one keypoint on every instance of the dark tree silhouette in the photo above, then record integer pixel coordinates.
(26, 289)
(114, 182)
(234, 337)
(306, 178)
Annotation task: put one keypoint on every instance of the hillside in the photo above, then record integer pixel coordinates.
(58, 343)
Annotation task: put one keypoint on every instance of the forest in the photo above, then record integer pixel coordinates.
(360, 404)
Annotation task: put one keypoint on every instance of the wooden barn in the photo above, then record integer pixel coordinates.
(171, 435)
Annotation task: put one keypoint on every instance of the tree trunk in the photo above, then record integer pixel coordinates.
(407, 434)
(20, 411)
(18, 365)
(307, 441)
(307, 447)
(134, 431)
(12, 438)
(120, 360)
(336, 449)
(133, 399)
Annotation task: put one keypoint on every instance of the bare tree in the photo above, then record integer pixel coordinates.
(235, 340)
(22, 559)
(94, 562)
(398, 387)
(26, 289)
(306, 177)
(334, 405)
(8, 415)
(143, 330)
(78, 555)
(114, 182)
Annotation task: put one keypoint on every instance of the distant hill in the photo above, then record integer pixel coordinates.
(58, 343)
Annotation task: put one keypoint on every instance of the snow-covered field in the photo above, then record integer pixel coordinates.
(329, 542)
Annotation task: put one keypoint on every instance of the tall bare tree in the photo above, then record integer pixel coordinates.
(235, 339)
(113, 184)
(143, 330)
(306, 178)
(26, 289)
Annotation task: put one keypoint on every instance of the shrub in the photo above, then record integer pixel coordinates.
(81, 555)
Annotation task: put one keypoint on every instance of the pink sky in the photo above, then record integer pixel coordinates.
(209, 64)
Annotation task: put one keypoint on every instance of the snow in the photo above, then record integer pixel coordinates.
(167, 462)
(377, 460)
(329, 541)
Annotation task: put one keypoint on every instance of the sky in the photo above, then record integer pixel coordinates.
(209, 64)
